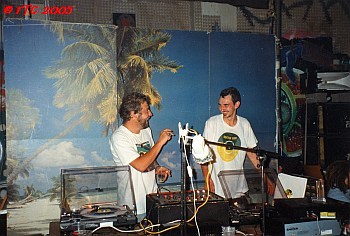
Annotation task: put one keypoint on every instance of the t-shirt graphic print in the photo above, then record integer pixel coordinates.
(225, 154)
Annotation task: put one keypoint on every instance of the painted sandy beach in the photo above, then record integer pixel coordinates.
(32, 218)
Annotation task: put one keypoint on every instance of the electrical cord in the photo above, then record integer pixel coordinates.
(128, 231)
(318, 223)
(196, 209)
(190, 174)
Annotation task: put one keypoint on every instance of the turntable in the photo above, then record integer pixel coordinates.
(90, 198)
(246, 207)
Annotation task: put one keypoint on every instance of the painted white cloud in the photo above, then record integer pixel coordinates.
(100, 161)
(60, 155)
(170, 160)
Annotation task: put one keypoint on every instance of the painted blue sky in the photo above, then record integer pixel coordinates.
(211, 62)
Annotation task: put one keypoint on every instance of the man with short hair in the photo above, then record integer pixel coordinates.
(229, 127)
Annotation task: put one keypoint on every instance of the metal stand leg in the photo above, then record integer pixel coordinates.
(263, 200)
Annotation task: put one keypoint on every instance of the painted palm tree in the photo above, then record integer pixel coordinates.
(28, 192)
(139, 57)
(22, 118)
(98, 68)
(115, 62)
(55, 191)
(56, 188)
(13, 189)
(13, 193)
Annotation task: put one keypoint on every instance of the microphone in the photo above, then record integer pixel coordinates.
(200, 150)
(183, 133)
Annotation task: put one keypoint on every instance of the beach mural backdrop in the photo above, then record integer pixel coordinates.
(65, 81)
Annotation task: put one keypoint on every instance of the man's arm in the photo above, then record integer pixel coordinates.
(205, 171)
(255, 160)
(205, 167)
(148, 160)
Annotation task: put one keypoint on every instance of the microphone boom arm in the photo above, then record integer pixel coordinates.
(259, 152)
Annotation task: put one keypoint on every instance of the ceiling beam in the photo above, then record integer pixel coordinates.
(259, 4)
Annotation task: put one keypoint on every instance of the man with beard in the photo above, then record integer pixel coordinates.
(132, 144)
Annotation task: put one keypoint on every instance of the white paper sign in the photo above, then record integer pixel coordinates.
(293, 186)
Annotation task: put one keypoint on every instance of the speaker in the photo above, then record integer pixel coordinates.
(327, 136)
(3, 223)
(337, 119)
(312, 150)
(336, 148)
(310, 118)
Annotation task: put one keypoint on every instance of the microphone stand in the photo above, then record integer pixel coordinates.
(262, 161)
(263, 156)
(183, 208)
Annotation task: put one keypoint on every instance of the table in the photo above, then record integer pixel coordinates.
(54, 230)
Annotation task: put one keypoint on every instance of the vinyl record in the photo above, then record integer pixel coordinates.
(103, 211)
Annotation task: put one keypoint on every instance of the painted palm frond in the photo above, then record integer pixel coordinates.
(148, 42)
(160, 63)
(83, 74)
(22, 117)
(139, 57)
(102, 65)
(108, 109)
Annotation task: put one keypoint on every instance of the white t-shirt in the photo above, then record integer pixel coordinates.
(126, 147)
(216, 130)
